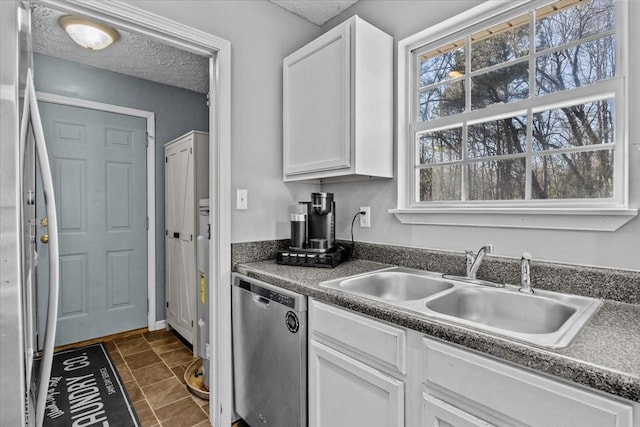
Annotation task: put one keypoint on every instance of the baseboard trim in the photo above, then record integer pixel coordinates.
(160, 324)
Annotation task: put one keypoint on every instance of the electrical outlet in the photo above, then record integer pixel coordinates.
(365, 218)
(241, 199)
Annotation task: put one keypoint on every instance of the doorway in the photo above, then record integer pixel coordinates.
(217, 51)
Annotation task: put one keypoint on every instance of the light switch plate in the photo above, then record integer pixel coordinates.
(241, 199)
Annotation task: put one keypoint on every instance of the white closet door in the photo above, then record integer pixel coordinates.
(180, 218)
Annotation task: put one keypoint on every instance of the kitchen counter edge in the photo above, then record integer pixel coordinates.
(606, 366)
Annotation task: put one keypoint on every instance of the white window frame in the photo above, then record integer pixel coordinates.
(601, 215)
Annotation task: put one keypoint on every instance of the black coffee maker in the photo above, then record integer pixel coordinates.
(316, 233)
(313, 235)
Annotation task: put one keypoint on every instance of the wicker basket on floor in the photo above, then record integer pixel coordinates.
(194, 378)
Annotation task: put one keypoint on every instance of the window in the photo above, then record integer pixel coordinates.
(523, 109)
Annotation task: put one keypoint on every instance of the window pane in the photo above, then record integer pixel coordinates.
(441, 64)
(501, 86)
(567, 150)
(496, 180)
(575, 126)
(440, 146)
(502, 43)
(557, 28)
(577, 66)
(497, 138)
(441, 101)
(439, 183)
(573, 175)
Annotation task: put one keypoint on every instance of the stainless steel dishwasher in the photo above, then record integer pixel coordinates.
(269, 354)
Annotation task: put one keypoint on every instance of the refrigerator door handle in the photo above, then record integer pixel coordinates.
(32, 114)
(24, 127)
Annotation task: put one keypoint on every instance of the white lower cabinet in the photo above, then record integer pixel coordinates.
(354, 362)
(346, 392)
(500, 394)
(438, 413)
(364, 372)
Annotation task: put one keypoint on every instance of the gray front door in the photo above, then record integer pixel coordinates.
(98, 163)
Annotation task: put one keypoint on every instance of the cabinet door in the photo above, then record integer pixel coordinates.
(181, 286)
(437, 413)
(317, 105)
(345, 392)
(171, 277)
(180, 227)
(182, 190)
(508, 393)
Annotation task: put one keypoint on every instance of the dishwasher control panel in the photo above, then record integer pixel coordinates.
(269, 294)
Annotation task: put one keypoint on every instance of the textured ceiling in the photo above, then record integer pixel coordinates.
(132, 55)
(148, 59)
(316, 11)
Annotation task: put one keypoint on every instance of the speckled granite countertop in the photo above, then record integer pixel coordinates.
(604, 356)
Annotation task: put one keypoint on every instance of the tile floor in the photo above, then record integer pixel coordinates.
(152, 365)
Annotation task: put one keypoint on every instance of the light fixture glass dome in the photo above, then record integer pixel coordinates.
(88, 34)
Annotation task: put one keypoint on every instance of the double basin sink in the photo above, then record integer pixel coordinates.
(546, 319)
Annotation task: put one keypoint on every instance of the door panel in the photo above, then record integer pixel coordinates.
(71, 194)
(317, 93)
(119, 189)
(119, 278)
(99, 173)
(73, 273)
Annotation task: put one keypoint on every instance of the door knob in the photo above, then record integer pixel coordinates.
(44, 221)
(44, 238)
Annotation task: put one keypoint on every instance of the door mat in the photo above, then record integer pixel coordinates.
(85, 389)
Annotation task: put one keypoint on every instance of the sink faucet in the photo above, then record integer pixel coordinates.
(525, 273)
(474, 261)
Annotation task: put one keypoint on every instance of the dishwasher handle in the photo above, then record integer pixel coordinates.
(261, 300)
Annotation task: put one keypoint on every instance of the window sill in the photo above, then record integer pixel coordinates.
(541, 218)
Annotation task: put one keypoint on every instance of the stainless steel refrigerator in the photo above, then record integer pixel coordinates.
(23, 388)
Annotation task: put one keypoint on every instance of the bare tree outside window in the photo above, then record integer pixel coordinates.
(567, 151)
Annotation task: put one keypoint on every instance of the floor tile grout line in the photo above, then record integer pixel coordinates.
(173, 375)
(145, 398)
(153, 410)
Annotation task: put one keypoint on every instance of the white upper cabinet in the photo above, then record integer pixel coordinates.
(338, 106)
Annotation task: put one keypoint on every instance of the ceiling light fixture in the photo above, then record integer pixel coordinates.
(89, 34)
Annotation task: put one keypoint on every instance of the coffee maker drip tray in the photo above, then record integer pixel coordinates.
(312, 259)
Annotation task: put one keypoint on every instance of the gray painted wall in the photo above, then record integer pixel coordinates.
(177, 112)
(401, 18)
(261, 35)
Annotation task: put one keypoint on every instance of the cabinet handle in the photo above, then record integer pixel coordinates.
(176, 235)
